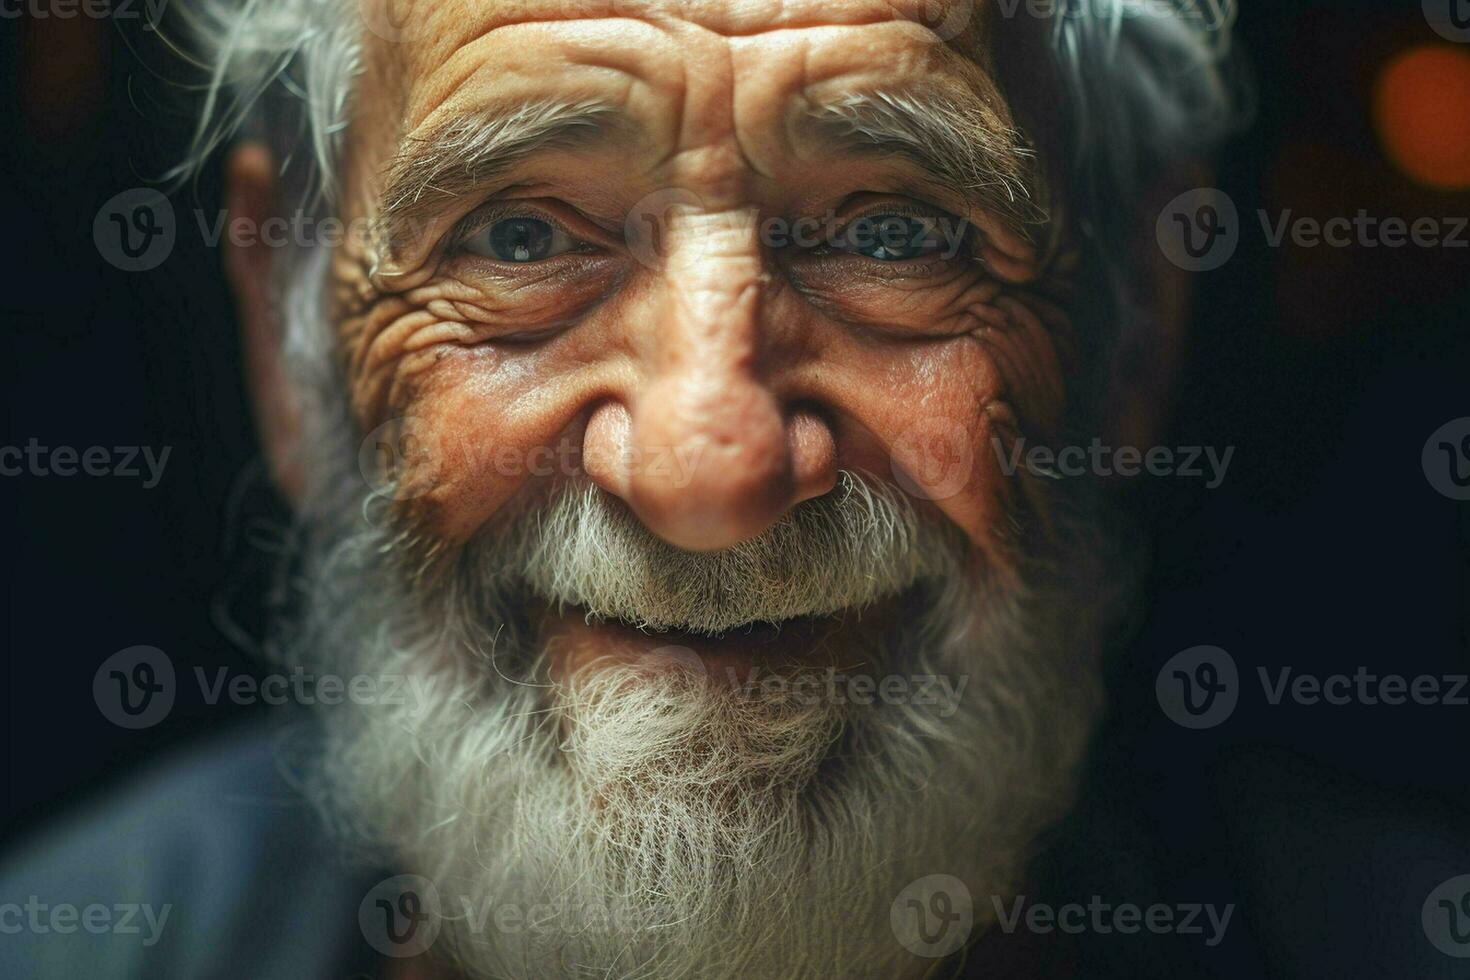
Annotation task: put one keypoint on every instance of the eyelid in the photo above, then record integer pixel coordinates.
(908, 208)
(491, 212)
(971, 238)
(896, 202)
(921, 212)
(586, 231)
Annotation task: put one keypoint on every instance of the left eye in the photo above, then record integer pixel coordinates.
(889, 237)
(521, 239)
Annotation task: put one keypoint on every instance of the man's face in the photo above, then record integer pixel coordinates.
(707, 254)
(699, 327)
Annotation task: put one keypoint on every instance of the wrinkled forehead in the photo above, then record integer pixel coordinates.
(428, 57)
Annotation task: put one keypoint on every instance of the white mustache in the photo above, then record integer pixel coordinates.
(861, 542)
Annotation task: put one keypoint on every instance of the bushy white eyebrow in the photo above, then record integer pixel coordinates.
(473, 149)
(963, 146)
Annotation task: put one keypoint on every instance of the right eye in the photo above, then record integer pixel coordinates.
(520, 239)
(889, 237)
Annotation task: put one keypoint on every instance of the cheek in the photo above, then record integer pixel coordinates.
(501, 423)
(942, 419)
(939, 416)
(483, 421)
(929, 415)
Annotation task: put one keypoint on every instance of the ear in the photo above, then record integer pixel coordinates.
(250, 195)
(1150, 350)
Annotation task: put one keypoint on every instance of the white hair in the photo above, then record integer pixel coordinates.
(862, 543)
(1148, 83)
(659, 822)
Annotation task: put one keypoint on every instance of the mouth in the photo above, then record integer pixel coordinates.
(818, 587)
(574, 638)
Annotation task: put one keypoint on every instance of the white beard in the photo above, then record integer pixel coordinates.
(638, 823)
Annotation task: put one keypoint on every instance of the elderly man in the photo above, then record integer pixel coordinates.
(661, 420)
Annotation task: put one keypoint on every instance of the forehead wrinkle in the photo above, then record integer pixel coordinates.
(730, 18)
(440, 60)
(439, 75)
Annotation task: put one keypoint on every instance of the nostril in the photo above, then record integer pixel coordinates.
(811, 448)
(605, 443)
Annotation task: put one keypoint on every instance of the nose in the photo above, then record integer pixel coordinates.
(710, 455)
(731, 475)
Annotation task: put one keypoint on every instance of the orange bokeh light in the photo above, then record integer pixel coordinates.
(1422, 111)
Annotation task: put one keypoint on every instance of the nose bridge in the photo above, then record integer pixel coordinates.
(710, 309)
(705, 405)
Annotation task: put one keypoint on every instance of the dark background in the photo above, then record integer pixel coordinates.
(1325, 549)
